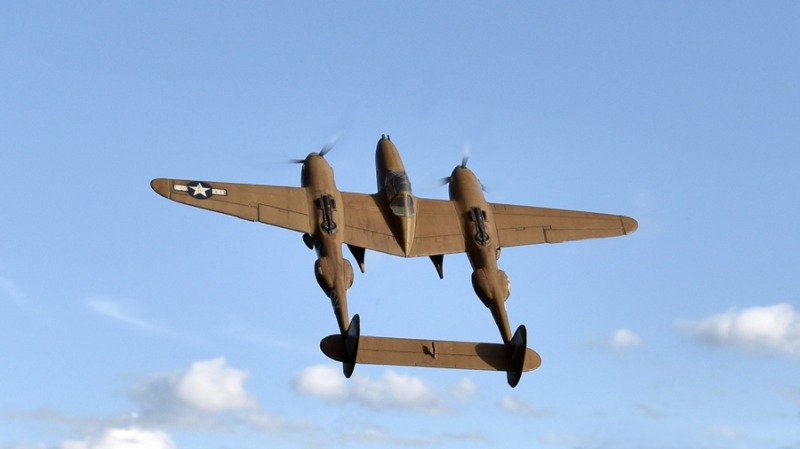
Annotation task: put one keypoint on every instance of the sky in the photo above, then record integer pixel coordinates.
(128, 321)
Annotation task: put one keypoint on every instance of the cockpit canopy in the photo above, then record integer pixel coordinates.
(402, 205)
(398, 190)
(397, 182)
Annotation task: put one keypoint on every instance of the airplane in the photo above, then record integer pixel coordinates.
(395, 221)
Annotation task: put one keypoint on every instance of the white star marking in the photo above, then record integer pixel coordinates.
(200, 190)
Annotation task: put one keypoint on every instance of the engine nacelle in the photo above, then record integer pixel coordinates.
(491, 288)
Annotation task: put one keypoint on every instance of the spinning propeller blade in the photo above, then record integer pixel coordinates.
(465, 154)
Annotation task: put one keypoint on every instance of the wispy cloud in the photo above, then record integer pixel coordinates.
(620, 340)
(24, 446)
(114, 311)
(519, 406)
(724, 432)
(128, 438)
(391, 391)
(373, 435)
(81, 425)
(651, 411)
(465, 390)
(768, 329)
(562, 439)
(793, 396)
(12, 292)
(624, 339)
(645, 199)
(240, 330)
(111, 309)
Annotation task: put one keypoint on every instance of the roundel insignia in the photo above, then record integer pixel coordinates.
(200, 190)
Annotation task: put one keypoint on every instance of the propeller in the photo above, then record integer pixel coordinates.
(464, 159)
(331, 143)
(465, 154)
(325, 148)
(442, 182)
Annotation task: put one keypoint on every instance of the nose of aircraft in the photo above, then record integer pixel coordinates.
(385, 150)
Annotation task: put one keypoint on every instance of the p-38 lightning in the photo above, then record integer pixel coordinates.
(394, 221)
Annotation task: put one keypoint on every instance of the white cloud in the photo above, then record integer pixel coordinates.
(212, 387)
(128, 438)
(391, 391)
(395, 390)
(208, 395)
(324, 381)
(769, 329)
(623, 339)
(192, 398)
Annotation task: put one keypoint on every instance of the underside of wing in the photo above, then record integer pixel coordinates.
(367, 224)
(523, 225)
(438, 229)
(286, 207)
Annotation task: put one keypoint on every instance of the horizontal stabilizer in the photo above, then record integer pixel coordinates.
(430, 353)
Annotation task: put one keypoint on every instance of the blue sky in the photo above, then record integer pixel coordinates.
(130, 321)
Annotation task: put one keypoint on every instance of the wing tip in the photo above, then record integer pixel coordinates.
(160, 186)
(629, 225)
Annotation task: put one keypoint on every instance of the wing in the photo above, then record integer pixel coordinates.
(368, 225)
(439, 229)
(287, 207)
(523, 225)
